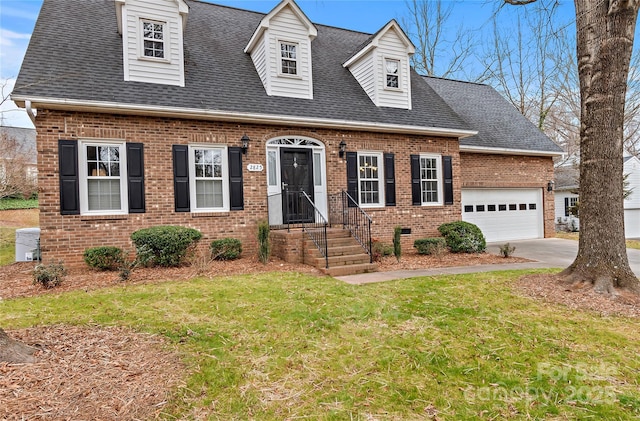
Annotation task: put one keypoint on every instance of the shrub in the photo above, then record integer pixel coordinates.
(225, 249)
(104, 258)
(435, 245)
(49, 275)
(397, 247)
(506, 250)
(380, 249)
(165, 245)
(264, 247)
(463, 237)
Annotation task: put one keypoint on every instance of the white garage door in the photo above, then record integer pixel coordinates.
(504, 214)
(632, 223)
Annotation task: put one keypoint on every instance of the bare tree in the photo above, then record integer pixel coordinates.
(15, 163)
(426, 23)
(605, 33)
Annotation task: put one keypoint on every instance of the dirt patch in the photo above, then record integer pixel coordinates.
(85, 373)
(20, 218)
(552, 289)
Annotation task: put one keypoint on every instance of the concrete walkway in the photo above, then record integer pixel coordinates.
(543, 253)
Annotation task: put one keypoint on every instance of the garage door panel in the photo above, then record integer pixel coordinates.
(504, 214)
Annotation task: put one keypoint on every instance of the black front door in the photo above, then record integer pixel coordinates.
(297, 177)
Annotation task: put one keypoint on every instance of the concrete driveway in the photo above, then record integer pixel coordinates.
(543, 253)
(556, 252)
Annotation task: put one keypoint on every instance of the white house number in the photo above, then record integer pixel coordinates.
(255, 167)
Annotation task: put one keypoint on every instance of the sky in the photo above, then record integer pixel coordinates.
(18, 17)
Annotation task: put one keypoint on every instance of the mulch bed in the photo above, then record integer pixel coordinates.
(84, 373)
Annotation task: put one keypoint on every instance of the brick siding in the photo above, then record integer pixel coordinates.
(66, 237)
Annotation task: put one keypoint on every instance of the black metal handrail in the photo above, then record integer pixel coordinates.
(358, 222)
(316, 230)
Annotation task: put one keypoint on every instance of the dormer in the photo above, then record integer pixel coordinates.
(152, 40)
(382, 67)
(280, 49)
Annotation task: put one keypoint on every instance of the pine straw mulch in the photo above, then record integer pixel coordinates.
(551, 288)
(84, 373)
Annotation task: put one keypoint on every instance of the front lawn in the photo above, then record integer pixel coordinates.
(286, 345)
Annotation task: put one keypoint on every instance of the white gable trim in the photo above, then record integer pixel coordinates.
(506, 151)
(392, 25)
(183, 9)
(266, 21)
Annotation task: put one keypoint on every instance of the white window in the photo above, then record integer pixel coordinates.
(431, 179)
(288, 58)
(370, 179)
(153, 37)
(103, 187)
(392, 73)
(209, 178)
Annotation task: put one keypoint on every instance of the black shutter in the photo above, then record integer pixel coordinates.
(135, 177)
(352, 176)
(181, 178)
(69, 181)
(447, 169)
(416, 190)
(389, 180)
(236, 192)
(566, 206)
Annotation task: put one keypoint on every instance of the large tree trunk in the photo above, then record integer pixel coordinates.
(605, 30)
(12, 351)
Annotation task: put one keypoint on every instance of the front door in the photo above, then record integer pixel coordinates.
(296, 167)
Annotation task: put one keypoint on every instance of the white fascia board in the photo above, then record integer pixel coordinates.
(506, 151)
(218, 115)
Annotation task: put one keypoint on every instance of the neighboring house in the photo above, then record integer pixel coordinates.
(188, 113)
(567, 188)
(18, 148)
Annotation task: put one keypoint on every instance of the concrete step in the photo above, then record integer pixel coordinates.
(351, 269)
(334, 261)
(335, 250)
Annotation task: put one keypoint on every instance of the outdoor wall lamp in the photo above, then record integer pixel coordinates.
(550, 185)
(343, 148)
(245, 143)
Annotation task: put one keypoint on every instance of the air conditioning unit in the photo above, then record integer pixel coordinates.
(27, 244)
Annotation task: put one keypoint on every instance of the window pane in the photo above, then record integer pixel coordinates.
(208, 193)
(429, 179)
(104, 194)
(317, 173)
(271, 165)
(369, 175)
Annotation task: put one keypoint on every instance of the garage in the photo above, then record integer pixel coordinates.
(632, 223)
(505, 214)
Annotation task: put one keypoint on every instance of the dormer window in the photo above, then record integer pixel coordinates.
(153, 39)
(288, 58)
(392, 71)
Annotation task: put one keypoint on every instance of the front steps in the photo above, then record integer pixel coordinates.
(346, 255)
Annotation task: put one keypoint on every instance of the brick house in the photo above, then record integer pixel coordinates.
(188, 113)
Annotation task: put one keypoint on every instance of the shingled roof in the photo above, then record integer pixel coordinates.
(499, 125)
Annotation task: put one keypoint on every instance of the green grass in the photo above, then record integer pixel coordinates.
(284, 345)
(7, 246)
(631, 244)
(11, 204)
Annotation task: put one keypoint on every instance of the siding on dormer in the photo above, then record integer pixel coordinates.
(259, 58)
(364, 72)
(391, 47)
(137, 68)
(285, 26)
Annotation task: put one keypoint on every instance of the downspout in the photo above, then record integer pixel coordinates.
(30, 111)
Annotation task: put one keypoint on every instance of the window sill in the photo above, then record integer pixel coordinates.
(104, 217)
(209, 214)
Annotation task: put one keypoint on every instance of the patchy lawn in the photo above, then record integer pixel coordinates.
(10, 220)
(287, 345)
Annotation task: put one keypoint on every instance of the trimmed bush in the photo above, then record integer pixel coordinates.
(165, 245)
(397, 246)
(463, 237)
(264, 245)
(506, 250)
(380, 249)
(434, 245)
(104, 258)
(225, 249)
(49, 275)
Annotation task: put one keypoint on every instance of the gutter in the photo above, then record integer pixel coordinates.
(507, 151)
(218, 115)
(30, 112)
